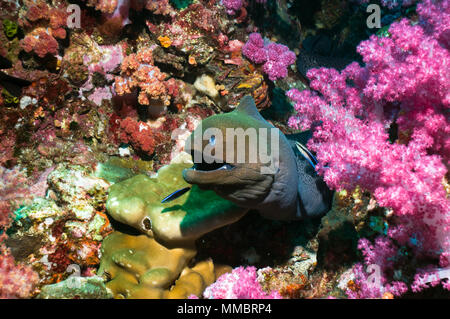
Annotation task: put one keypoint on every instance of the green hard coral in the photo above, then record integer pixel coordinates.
(137, 202)
(181, 4)
(156, 263)
(118, 169)
(10, 28)
(139, 267)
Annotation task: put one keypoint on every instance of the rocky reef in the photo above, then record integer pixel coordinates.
(97, 99)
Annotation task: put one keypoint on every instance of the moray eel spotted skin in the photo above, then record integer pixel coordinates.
(294, 191)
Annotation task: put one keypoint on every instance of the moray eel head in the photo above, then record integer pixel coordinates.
(225, 157)
(246, 160)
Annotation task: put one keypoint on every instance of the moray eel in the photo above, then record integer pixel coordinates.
(285, 188)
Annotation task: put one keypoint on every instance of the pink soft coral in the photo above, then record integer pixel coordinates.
(373, 285)
(276, 57)
(241, 283)
(232, 6)
(405, 80)
(16, 281)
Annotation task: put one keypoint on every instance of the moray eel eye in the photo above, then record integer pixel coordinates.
(212, 140)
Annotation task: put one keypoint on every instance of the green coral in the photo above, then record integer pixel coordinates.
(9, 98)
(10, 28)
(181, 4)
(155, 264)
(118, 169)
(137, 203)
(76, 287)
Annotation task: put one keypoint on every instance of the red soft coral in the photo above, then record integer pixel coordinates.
(139, 134)
(41, 42)
(43, 23)
(138, 72)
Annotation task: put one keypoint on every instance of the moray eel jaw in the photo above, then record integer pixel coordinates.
(241, 184)
(212, 166)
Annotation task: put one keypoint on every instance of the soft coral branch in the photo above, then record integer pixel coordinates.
(405, 82)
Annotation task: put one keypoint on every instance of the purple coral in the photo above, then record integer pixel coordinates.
(373, 285)
(16, 281)
(108, 59)
(254, 48)
(404, 81)
(241, 283)
(232, 6)
(276, 57)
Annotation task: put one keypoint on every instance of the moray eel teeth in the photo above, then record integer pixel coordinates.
(211, 166)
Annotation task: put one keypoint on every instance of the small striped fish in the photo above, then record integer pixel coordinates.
(175, 195)
(307, 154)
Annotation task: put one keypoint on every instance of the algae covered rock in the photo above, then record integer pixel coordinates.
(64, 229)
(337, 237)
(76, 288)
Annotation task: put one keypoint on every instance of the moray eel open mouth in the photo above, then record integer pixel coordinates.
(204, 173)
(212, 166)
(240, 183)
(206, 169)
(202, 168)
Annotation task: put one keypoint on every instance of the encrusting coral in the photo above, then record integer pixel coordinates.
(138, 71)
(140, 267)
(46, 24)
(146, 265)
